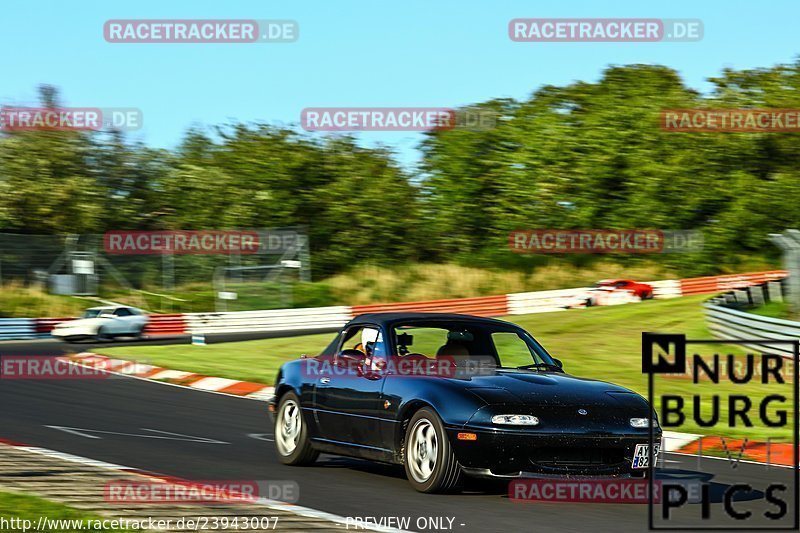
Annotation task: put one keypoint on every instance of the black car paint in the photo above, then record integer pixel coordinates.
(350, 412)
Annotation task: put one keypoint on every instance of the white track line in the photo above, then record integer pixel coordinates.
(271, 504)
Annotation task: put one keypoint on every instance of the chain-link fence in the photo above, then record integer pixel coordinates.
(160, 271)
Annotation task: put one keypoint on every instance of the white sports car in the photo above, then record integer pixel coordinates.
(103, 323)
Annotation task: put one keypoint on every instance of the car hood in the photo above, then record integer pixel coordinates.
(550, 388)
(81, 322)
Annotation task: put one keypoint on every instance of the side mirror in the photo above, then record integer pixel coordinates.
(558, 362)
(350, 358)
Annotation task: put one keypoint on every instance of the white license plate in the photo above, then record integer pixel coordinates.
(641, 455)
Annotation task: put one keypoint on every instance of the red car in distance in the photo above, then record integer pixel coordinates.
(642, 290)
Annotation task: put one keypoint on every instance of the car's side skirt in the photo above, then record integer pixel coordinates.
(353, 450)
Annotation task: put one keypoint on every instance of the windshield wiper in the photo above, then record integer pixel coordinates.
(537, 366)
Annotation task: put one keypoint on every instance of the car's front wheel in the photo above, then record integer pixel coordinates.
(431, 465)
(291, 434)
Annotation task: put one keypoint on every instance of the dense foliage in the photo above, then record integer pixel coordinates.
(588, 155)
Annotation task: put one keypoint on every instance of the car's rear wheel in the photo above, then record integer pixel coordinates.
(101, 335)
(430, 463)
(291, 435)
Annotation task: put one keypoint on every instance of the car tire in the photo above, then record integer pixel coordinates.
(101, 335)
(431, 466)
(291, 433)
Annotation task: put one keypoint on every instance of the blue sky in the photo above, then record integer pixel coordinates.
(422, 53)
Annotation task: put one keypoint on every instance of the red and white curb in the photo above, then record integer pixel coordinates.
(233, 387)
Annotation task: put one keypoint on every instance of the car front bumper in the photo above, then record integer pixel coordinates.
(73, 332)
(519, 452)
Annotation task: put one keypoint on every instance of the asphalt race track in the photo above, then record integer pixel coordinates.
(227, 450)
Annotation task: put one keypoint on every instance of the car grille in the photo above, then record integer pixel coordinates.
(576, 457)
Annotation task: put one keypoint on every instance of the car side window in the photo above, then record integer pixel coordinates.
(369, 341)
(366, 339)
(122, 312)
(424, 340)
(512, 350)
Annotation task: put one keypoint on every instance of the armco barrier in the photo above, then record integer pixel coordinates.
(45, 325)
(523, 303)
(166, 325)
(314, 318)
(669, 288)
(481, 306)
(324, 318)
(726, 323)
(712, 284)
(17, 328)
(157, 325)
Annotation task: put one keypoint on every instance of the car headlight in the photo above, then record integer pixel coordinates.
(515, 420)
(642, 423)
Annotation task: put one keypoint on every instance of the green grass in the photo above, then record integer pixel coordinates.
(772, 310)
(600, 342)
(16, 300)
(248, 361)
(25, 507)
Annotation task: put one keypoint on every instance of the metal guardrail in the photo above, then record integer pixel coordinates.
(712, 284)
(669, 288)
(727, 319)
(17, 328)
(332, 318)
(523, 303)
(480, 306)
(174, 324)
(312, 318)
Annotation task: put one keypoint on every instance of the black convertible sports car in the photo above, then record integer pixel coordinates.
(450, 395)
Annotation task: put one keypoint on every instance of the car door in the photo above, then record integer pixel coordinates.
(349, 395)
(138, 320)
(124, 321)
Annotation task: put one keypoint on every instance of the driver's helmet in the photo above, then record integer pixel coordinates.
(368, 338)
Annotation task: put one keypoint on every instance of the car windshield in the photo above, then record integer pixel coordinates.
(495, 345)
(92, 313)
